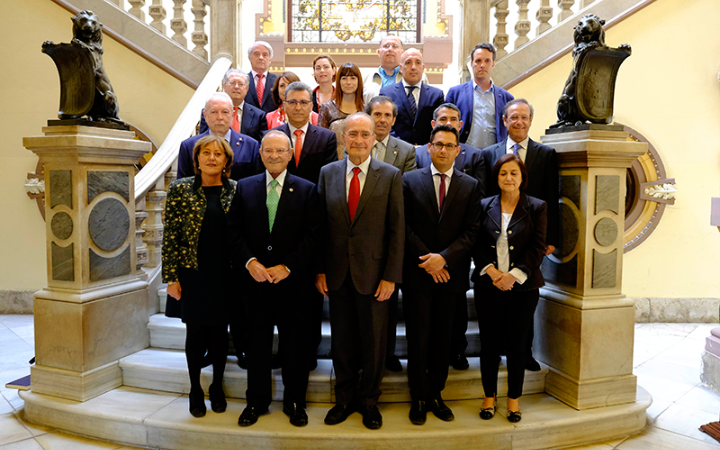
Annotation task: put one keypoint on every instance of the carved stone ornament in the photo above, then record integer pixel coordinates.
(589, 91)
(85, 88)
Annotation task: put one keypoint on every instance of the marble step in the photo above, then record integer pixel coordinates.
(166, 370)
(156, 419)
(168, 332)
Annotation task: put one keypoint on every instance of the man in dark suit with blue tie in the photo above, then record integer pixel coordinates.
(442, 208)
(273, 224)
(362, 251)
(480, 101)
(260, 55)
(218, 115)
(543, 179)
(416, 101)
(246, 118)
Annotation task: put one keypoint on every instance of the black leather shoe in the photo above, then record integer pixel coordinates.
(514, 416)
(372, 419)
(197, 403)
(217, 399)
(276, 361)
(296, 413)
(242, 361)
(532, 365)
(488, 413)
(338, 414)
(250, 415)
(441, 411)
(460, 362)
(418, 412)
(392, 363)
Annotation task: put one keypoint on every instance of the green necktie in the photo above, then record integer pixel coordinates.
(272, 203)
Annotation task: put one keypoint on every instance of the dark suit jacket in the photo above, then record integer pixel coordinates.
(451, 233)
(246, 159)
(415, 130)
(295, 236)
(543, 180)
(462, 97)
(526, 239)
(469, 161)
(371, 246)
(268, 105)
(400, 154)
(253, 122)
(319, 148)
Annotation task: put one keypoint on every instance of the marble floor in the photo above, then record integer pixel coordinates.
(667, 364)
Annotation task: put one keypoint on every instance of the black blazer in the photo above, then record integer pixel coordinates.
(526, 239)
(294, 238)
(268, 105)
(246, 156)
(253, 122)
(414, 130)
(319, 148)
(469, 161)
(543, 180)
(451, 233)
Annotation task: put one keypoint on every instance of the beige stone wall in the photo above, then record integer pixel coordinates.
(29, 88)
(668, 90)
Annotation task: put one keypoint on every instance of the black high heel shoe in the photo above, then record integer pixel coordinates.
(217, 399)
(514, 416)
(197, 403)
(489, 413)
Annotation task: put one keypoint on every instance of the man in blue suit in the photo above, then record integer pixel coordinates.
(246, 118)
(416, 101)
(480, 101)
(260, 55)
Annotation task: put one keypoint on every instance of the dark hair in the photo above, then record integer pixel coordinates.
(517, 101)
(351, 70)
(506, 158)
(207, 140)
(290, 77)
(446, 128)
(446, 106)
(381, 100)
(483, 45)
(319, 57)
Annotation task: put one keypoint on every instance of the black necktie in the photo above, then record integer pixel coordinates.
(411, 102)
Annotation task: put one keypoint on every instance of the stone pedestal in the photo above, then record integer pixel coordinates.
(94, 309)
(584, 325)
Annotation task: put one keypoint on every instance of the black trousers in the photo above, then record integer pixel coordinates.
(200, 338)
(359, 343)
(460, 325)
(429, 315)
(505, 317)
(267, 305)
(392, 321)
(315, 318)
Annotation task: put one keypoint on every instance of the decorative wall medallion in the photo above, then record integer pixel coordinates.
(61, 188)
(569, 235)
(63, 262)
(570, 188)
(560, 273)
(606, 231)
(106, 268)
(62, 225)
(604, 269)
(607, 193)
(100, 181)
(109, 224)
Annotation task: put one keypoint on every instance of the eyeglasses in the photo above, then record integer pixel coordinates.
(440, 146)
(355, 134)
(393, 46)
(298, 102)
(236, 83)
(272, 151)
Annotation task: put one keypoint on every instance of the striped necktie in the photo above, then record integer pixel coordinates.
(411, 102)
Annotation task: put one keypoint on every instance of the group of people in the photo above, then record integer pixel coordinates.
(352, 192)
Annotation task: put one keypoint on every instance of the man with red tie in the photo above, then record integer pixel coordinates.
(260, 55)
(361, 261)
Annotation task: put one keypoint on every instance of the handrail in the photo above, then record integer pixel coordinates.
(168, 151)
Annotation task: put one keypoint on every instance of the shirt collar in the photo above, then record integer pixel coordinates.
(363, 166)
(477, 86)
(406, 84)
(293, 129)
(254, 74)
(434, 170)
(227, 135)
(280, 178)
(241, 106)
(510, 143)
(385, 141)
(381, 71)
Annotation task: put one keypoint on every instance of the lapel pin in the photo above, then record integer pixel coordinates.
(395, 153)
(291, 189)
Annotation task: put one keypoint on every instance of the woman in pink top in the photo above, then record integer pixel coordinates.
(277, 117)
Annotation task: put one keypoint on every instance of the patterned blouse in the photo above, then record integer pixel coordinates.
(184, 211)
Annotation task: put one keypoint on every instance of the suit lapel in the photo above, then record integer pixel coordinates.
(400, 89)
(495, 213)
(530, 155)
(336, 195)
(460, 160)
(285, 198)
(391, 151)
(253, 90)
(370, 181)
(429, 186)
(309, 141)
(455, 183)
(260, 194)
(521, 210)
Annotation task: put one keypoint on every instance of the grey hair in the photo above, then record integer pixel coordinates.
(264, 44)
(518, 101)
(359, 114)
(446, 106)
(297, 86)
(220, 95)
(276, 133)
(226, 77)
(381, 100)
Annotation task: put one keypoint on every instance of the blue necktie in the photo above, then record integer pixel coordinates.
(516, 149)
(411, 102)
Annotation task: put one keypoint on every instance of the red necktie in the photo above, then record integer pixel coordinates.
(354, 194)
(236, 120)
(298, 147)
(441, 191)
(260, 88)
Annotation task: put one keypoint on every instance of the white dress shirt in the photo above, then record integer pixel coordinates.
(503, 253)
(302, 136)
(436, 181)
(416, 92)
(264, 79)
(510, 147)
(227, 136)
(364, 166)
(240, 112)
(280, 179)
(380, 149)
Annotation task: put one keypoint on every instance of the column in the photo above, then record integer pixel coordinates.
(585, 325)
(94, 309)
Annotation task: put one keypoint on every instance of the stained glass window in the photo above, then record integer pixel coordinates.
(353, 21)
